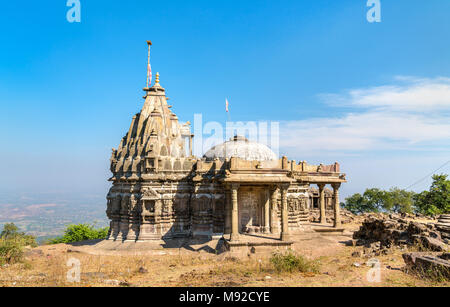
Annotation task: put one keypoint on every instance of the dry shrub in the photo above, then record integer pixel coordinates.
(11, 251)
(291, 262)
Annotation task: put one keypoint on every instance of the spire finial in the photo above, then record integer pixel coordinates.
(157, 78)
(149, 67)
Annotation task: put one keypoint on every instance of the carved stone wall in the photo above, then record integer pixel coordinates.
(298, 210)
(208, 209)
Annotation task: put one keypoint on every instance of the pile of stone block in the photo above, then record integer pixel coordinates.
(443, 225)
(380, 232)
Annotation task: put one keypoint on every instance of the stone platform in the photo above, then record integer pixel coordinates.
(255, 244)
(147, 248)
(329, 230)
(306, 241)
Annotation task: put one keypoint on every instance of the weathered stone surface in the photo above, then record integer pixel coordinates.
(443, 225)
(437, 265)
(381, 232)
(434, 244)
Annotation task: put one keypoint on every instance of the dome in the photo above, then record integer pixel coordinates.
(242, 148)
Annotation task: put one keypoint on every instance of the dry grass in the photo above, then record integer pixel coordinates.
(48, 268)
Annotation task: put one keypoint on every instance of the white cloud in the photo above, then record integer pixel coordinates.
(411, 94)
(409, 115)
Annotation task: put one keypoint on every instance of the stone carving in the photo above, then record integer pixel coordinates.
(250, 210)
(133, 205)
(150, 194)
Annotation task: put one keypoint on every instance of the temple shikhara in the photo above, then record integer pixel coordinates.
(238, 190)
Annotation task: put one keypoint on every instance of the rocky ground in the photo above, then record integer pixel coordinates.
(341, 264)
(384, 234)
(381, 233)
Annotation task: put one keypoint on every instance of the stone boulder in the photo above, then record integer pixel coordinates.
(437, 265)
(380, 232)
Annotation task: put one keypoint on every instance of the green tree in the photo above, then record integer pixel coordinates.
(81, 232)
(9, 230)
(377, 200)
(370, 201)
(437, 199)
(398, 200)
(355, 204)
(12, 243)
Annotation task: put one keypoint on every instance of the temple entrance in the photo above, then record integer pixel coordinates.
(251, 202)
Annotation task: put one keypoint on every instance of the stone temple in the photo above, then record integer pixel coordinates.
(237, 190)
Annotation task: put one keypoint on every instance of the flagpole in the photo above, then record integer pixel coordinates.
(149, 43)
(227, 105)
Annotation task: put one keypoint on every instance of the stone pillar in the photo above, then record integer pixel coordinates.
(190, 145)
(234, 213)
(228, 210)
(323, 218)
(267, 214)
(337, 209)
(274, 211)
(285, 234)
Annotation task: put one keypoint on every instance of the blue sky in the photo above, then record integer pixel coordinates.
(373, 96)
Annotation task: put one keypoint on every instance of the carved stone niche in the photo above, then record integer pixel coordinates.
(151, 164)
(303, 205)
(292, 204)
(148, 208)
(134, 205)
